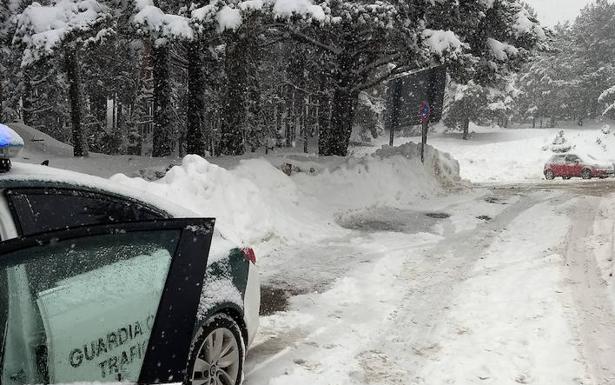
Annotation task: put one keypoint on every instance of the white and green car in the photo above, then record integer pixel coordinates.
(97, 285)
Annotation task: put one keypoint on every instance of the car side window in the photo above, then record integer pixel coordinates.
(82, 309)
(572, 158)
(39, 210)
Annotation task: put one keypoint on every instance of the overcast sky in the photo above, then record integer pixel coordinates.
(552, 11)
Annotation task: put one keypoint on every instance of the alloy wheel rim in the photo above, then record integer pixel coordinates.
(217, 360)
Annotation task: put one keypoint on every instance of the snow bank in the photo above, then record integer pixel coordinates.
(39, 142)
(252, 203)
(443, 167)
(256, 203)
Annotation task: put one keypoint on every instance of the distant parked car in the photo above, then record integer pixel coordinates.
(572, 165)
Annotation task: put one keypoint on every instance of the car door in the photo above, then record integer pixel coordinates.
(558, 165)
(573, 165)
(39, 209)
(102, 303)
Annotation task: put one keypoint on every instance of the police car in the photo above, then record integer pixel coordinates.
(97, 285)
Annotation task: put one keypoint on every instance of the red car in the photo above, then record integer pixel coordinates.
(571, 165)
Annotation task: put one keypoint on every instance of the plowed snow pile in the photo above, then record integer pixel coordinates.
(255, 202)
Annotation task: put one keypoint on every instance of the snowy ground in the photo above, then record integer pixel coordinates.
(524, 297)
(495, 155)
(382, 272)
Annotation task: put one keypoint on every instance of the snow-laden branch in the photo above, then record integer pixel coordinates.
(607, 94)
(230, 16)
(152, 21)
(501, 51)
(524, 25)
(43, 28)
(441, 42)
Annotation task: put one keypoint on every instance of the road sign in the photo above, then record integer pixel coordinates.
(424, 111)
(407, 92)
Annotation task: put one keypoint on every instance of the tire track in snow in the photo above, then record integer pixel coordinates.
(595, 318)
(432, 282)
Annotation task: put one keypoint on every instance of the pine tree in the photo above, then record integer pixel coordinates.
(82, 20)
(500, 36)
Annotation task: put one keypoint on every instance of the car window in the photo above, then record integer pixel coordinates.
(572, 158)
(39, 210)
(82, 309)
(557, 159)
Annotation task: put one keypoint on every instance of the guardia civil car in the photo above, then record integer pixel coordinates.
(97, 285)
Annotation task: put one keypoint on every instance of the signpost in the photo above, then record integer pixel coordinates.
(424, 89)
(424, 115)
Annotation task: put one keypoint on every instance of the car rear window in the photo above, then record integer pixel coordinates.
(39, 210)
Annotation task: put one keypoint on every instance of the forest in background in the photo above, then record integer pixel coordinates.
(225, 77)
(572, 76)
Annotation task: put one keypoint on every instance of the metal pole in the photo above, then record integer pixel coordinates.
(424, 139)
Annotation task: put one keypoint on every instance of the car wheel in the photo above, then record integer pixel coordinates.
(586, 173)
(218, 353)
(549, 175)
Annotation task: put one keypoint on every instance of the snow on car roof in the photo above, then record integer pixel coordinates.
(23, 174)
(30, 175)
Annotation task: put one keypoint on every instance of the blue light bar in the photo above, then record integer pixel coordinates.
(11, 143)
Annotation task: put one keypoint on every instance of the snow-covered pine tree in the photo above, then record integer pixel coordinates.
(363, 44)
(500, 36)
(64, 26)
(162, 23)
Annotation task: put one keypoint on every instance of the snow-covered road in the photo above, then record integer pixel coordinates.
(521, 295)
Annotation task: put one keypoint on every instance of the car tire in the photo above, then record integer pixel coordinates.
(586, 173)
(206, 367)
(549, 175)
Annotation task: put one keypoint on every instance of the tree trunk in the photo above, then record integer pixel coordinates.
(234, 104)
(306, 113)
(466, 128)
(195, 138)
(26, 100)
(71, 66)
(342, 116)
(342, 109)
(162, 141)
(533, 122)
(324, 115)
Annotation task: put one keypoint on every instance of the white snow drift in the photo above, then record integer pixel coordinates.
(255, 202)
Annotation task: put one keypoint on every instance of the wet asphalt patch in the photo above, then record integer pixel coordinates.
(438, 215)
(390, 219)
(275, 296)
(495, 201)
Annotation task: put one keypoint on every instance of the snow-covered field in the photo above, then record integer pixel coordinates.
(495, 155)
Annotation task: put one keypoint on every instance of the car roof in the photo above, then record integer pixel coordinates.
(24, 175)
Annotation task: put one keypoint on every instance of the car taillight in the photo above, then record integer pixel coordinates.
(248, 252)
